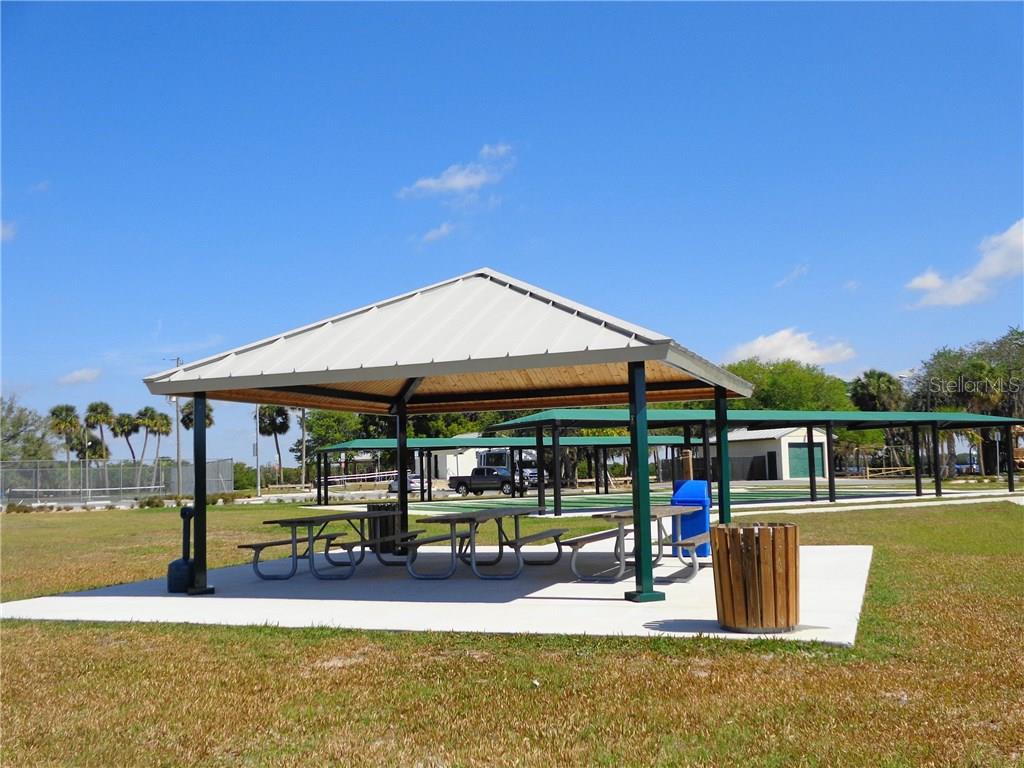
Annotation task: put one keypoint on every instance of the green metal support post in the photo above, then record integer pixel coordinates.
(724, 469)
(556, 470)
(199, 585)
(1008, 442)
(540, 468)
(402, 462)
(644, 592)
(812, 470)
(706, 453)
(830, 462)
(915, 434)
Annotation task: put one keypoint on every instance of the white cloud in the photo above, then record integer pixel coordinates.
(790, 344)
(8, 230)
(39, 187)
(455, 179)
(1002, 258)
(488, 151)
(80, 376)
(797, 272)
(851, 285)
(465, 179)
(437, 233)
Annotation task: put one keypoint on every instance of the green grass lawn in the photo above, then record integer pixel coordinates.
(936, 678)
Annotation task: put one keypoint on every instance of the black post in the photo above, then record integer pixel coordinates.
(675, 460)
(1008, 442)
(540, 468)
(423, 490)
(604, 468)
(595, 460)
(706, 450)
(936, 467)
(812, 470)
(556, 468)
(199, 585)
(916, 441)
(402, 429)
(830, 462)
(319, 474)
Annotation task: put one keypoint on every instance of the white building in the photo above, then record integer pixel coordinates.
(774, 454)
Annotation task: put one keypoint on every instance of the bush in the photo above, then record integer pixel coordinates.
(152, 502)
(17, 508)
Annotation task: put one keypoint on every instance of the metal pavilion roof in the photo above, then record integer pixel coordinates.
(754, 419)
(479, 341)
(454, 443)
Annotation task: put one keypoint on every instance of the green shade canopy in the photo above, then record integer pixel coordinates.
(754, 419)
(455, 443)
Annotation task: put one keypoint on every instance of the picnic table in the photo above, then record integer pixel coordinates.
(371, 532)
(463, 542)
(623, 517)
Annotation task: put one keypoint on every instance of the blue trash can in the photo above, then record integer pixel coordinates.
(692, 493)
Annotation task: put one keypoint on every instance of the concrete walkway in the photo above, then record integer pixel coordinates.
(545, 599)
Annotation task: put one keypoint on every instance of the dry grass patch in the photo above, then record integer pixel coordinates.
(936, 679)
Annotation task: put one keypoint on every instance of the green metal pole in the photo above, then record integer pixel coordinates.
(724, 469)
(1008, 443)
(644, 592)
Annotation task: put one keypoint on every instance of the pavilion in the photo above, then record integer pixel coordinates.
(416, 353)
(597, 447)
(558, 420)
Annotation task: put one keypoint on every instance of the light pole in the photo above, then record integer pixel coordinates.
(177, 429)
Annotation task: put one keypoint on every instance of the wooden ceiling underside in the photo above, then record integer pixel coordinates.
(534, 388)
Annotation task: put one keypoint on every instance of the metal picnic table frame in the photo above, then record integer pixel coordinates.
(320, 523)
(624, 516)
(463, 545)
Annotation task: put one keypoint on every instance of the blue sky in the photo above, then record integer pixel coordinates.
(842, 183)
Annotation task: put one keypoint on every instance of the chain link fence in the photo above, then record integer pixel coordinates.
(57, 482)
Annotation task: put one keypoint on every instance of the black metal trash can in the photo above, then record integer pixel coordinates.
(388, 525)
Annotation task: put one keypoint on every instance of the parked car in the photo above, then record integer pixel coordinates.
(415, 483)
(530, 475)
(482, 479)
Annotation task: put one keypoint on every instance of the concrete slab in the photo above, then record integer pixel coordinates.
(545, 599)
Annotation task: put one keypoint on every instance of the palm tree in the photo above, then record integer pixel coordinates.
(188, 414)
(65, 424)
(125, 425)
(274, 420)
(876, 390)
(146, 418)
(161, 427)
(98, 415)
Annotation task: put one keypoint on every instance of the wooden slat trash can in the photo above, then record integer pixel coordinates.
(757, 576)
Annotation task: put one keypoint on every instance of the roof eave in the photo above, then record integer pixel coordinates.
(643, 352)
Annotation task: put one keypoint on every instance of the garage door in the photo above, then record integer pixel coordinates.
(798, 460)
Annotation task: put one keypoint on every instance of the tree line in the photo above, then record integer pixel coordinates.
(983, 377)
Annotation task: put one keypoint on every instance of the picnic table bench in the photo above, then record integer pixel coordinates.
(463, 543)
(315, 531)
(622, 517)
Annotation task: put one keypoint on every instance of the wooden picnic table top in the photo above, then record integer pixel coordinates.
(657, 512)
(477, 516)
(369, 514)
